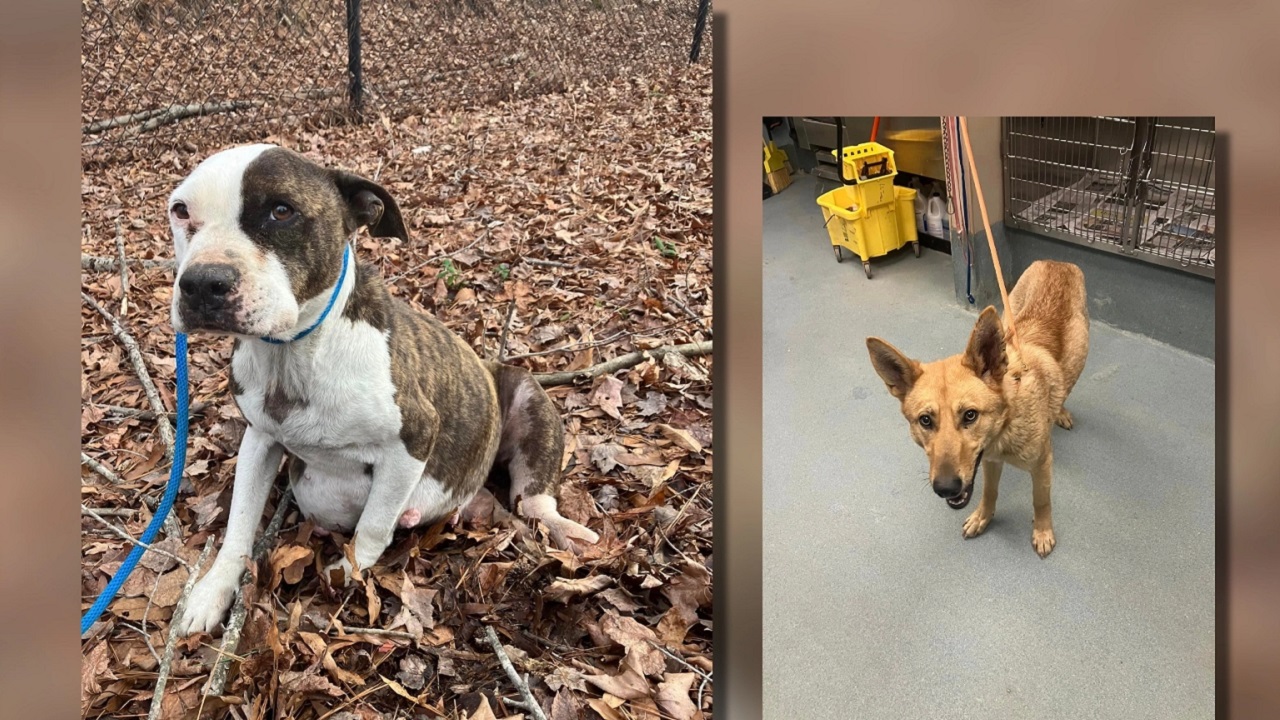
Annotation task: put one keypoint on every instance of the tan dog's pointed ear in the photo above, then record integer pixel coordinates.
(985, 355)
(898, 371)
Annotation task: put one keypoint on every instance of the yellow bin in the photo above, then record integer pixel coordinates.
(869, 232)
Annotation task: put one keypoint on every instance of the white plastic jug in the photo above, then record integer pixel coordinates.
(933, 216)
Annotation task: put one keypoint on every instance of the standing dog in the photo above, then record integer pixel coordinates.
(993, 404)
(386, 417)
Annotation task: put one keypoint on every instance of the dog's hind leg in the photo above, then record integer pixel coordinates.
(531, 448)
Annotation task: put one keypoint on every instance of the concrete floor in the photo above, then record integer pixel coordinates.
(875, 607)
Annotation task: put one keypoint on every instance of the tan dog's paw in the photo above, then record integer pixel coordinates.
(1065, 421)
(976, 523)
(1043, 541)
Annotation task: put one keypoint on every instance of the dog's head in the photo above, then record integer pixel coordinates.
(258, 231)
(955, 406)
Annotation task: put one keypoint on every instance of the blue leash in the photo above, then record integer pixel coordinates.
(166, 502)
(180, 460)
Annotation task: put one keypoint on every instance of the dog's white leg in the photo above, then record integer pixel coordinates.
(394, 481)
(256, 468)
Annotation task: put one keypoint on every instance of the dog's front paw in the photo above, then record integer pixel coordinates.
(976, 523)
(1043, 541)
(206, 607)
(1064, 420)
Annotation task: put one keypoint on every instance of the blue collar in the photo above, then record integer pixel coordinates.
(346, 253)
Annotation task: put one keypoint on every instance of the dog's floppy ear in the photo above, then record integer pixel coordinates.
(985, 355)
(898, 371)
(370, 205)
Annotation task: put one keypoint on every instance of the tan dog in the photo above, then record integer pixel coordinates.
(997, 403)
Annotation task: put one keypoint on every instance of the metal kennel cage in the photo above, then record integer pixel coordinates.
(1138, 186)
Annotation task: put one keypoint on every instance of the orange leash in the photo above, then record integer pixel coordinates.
(986, 225)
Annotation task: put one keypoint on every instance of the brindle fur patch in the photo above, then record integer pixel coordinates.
(532, 431)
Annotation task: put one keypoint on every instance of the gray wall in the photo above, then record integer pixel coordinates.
(1171, 306)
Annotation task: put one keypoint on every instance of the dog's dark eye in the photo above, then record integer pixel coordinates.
(179, 211)
(281, 212)
(970, 415)
(926, 421)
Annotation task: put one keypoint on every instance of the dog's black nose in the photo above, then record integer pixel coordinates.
(206, 286)
(948, 487)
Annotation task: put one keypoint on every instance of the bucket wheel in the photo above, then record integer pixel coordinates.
(866, 268)
(916, 247)
(839, 255)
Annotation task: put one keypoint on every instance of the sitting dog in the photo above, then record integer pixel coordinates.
(993, 404)
(385, 416)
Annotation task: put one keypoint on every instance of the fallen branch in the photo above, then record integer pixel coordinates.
(135, 357)
(235, 622)
(506, 326)
(166, 662)
(623, 362)
(124, 271)
(194, 408)
(101, 469)
(522, 684)
(98, 126)
(106, 264)
(86, 510)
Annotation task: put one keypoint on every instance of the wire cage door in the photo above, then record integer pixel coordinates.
(1138, 186)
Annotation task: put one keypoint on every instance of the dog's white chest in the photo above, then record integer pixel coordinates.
(333, 403)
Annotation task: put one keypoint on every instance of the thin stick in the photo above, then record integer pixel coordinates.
(619, 363)
(528, 703)
(166, 662)
(502, 343)
(701, 321)
(106, 264)
(101, 469)
(124, 272)
(235, 623)
(549, 263)
(622, 335)
(111, 512)
(135, 357)
(195, 408)
(86, 510)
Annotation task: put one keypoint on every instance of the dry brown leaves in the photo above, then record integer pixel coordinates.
(591, 212)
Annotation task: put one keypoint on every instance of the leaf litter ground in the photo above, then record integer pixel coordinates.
(584, 218)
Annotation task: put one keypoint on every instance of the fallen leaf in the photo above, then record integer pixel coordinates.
(653, 403)
(680, 437)
(605, 455)
(308, 681)
(673, 696)
(608, 396)
(562, 590)
(638, 641)
(628, 684)
(289, 562)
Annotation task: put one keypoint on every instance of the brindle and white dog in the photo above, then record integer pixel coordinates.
(386, 417)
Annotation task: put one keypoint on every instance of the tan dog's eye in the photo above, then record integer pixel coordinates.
(281, 212)
(926, 422)
(970, 415)
(179, 211)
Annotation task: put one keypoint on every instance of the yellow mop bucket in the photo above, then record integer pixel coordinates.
(869, 232)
